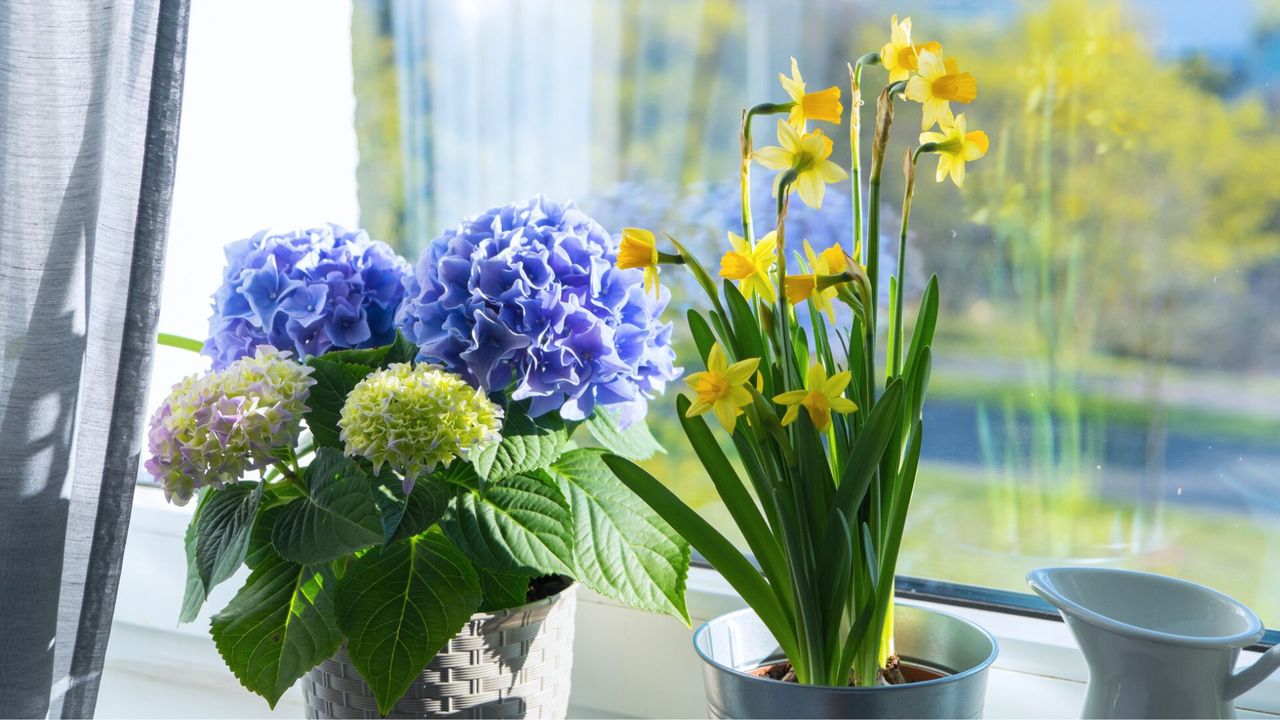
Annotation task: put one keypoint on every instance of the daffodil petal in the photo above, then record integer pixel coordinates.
(792, 413)
(816, 378)
(842, 404)
(773, 157)
(697, 407)
(791, 397)
(738, 372)
(837, 383)
(716, 362)
(917, 89)
(811, 189)
(726, 414)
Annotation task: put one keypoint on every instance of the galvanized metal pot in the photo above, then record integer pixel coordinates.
(507, 664)
(738, 642)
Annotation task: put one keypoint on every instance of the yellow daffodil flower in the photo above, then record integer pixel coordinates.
(639, 250)
(751, 266)
(808, 154)
(899, 56)
(721, 389)
(822, 105)
(938, 83)
(821, 396)
(834, 257)
(956, 146)
(799, 288)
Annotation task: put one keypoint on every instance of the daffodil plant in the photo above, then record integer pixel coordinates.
(827, 427)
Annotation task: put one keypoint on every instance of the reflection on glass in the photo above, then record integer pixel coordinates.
(1107, 375)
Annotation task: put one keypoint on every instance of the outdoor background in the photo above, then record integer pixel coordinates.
(1107, 370)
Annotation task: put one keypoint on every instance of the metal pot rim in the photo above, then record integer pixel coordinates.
(957, 677)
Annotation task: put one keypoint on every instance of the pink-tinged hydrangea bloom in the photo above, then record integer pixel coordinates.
(415, 418)
(527, 298)
(214, 428)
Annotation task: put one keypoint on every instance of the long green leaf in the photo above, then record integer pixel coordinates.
(622, 548)
(926, 321)
(337, 517)
(180, 342)
(399, 604)
(278, 626)
(702, 335)
(732, 492)
(745, 327)
(522, 525)
(714, 547)
(865, 456)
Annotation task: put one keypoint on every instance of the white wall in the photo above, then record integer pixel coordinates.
(267, 139)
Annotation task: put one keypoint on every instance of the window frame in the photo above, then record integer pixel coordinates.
(987, 599)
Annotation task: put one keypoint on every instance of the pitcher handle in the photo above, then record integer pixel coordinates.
(1244, 680)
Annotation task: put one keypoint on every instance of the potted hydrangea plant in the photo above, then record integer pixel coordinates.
(420, 509)
(828, 437)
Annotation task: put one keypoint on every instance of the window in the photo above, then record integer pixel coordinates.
(1107, 378)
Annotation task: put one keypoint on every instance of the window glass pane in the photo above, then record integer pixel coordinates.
(1107, 370)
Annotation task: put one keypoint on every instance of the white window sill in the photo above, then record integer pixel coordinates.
(627, 663)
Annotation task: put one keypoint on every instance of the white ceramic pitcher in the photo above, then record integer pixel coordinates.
(1156, 646)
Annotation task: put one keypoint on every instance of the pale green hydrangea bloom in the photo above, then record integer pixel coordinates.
(213, 428)
(415, 418)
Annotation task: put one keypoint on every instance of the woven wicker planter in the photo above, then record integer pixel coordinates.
(508, 664)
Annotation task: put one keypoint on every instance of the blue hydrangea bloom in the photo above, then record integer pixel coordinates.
(305, 291)
(525, 299)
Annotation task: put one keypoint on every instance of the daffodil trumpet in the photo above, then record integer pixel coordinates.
(821, 509)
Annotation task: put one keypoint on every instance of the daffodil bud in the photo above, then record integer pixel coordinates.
(884, 120)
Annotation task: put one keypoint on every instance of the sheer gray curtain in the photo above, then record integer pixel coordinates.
(90, 92)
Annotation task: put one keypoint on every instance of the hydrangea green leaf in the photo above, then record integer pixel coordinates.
(407, 515)
(278, 626)
(521, 525)
(634, 442)
(399, 351)
(622, 548)
(399, 604)
(194, 594)
(334, 381)
(222, 531)
(526, 445)
(337, 517)
(502, 591)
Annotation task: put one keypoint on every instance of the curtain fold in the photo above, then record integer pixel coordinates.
(90, 95)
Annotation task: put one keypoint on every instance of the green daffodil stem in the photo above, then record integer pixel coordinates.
(744, 140)
(884, 121)
(783, 316)
(855, 144)
(896, 340)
